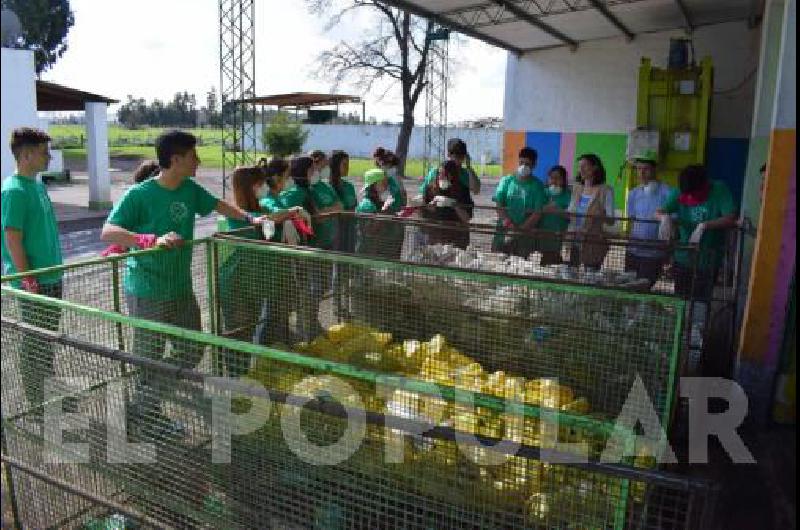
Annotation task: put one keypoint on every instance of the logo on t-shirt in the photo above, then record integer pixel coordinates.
(699, 214)
(178, 212)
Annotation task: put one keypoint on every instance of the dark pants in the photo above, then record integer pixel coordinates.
(184, 313)
(697, 283)
(649, 268)
(36, 354)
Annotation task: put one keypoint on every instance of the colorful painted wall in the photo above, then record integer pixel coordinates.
(772, 267)
(727, 157)
(566, 103)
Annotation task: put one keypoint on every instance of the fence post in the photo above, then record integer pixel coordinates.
(117, 303)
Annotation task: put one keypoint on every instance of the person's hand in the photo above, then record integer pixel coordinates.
(30, 284)
(697, 235)
(258, 221)
(388, 204)
(443, 202)
(145, 241)
(296, 211)
(170, 240)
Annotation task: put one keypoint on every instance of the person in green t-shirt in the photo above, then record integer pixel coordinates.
(250, 281)
(29, 242)
(520, 199)
(457, 152)
(370, 234)
(705, 212)
(554, 221)
(346, 192)
(393, 234)
(318, 198)
(161, 212)
(340, 168)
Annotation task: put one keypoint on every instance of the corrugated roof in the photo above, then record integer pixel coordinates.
(302, 100)
(54, 97)
(527, 25)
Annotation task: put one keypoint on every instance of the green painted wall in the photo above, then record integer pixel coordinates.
(610, 147)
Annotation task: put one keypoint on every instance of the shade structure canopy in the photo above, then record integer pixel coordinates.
(301, 100)
(54, 97)
(527, 25)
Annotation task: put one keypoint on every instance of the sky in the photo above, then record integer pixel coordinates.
(154, 48)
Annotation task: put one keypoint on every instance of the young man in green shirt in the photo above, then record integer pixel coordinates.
(456, 151)
(161, 212)
(29, 242)
(705, 211)
(520, 199)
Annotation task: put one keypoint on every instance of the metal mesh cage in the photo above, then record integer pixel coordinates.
(420, 363)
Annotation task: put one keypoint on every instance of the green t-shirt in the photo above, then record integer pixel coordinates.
(150, 208)
(347, 195)
(556, 223)
(719, 204)
(520, 198)
(27, 207)
(323, 196)
(396, 190)
(365, 244)
(463, 177)
(366, 206)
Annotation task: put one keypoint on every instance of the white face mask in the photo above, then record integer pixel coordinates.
(444, 184)
(262, 191)
(555, 190)
(325, 173)
(384, 196)
(314, 178)
(524, 171)
(651, 187)
(391, 172)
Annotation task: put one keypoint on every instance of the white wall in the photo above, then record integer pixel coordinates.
(595, 88)
(361, 140)
(17, 100)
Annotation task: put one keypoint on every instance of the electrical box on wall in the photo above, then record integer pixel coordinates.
(675, 102)
(642, 140)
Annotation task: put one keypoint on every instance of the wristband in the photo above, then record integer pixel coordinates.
(249, 218)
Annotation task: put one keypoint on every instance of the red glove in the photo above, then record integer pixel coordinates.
(302, 227)
(30, 284)
(145, 241)
(113, 249)
(407, 211)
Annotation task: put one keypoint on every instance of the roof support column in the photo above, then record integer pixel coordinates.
(97, 156)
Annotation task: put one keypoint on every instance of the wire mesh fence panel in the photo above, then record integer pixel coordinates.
(429, 359)
(367, 311)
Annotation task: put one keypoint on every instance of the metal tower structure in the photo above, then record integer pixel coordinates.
(436, 77)
(237, 63)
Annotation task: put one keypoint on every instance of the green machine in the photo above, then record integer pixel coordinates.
(671, 117)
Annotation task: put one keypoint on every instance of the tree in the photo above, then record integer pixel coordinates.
(211, 110)
(45, 24)
(396, 49)
(284, 138)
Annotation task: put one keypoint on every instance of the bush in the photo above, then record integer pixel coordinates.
(284, 138)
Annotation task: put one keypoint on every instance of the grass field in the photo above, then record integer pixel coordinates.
(128, 142)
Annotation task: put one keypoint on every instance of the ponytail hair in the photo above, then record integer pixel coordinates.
(298, 169)
(337, 157)
(273, 170)
(146, 170)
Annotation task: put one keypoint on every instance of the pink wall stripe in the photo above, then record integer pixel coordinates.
(783, 274)
(567, 157)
